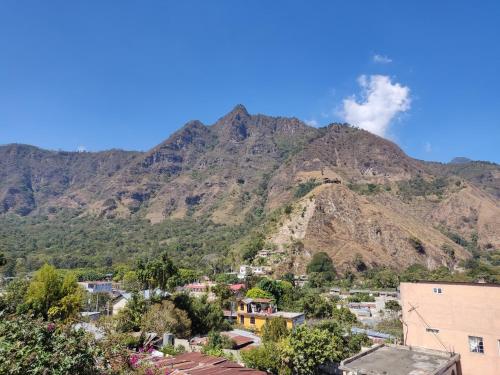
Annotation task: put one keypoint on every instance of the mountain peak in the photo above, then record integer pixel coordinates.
(240, 110)
(236, 116)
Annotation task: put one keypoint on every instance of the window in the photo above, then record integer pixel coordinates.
(242, 319)
(498, 346)
(476, 344)
(437, 290)
(432, 330)
(252, 320)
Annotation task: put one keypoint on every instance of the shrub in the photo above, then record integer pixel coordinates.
(305, 187)
(34, 347)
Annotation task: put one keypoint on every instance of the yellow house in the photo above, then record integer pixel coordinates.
(253, 313)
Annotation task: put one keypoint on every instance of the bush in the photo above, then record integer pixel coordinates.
(165, 317)
(258, 293)
(36, 347)
(305, 187)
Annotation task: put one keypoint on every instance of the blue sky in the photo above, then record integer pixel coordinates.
(126, 74)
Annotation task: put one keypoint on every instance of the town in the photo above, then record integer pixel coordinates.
(158, 319)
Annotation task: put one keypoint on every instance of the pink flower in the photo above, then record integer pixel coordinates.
(149, 372)
(51, 327)
(133, 360)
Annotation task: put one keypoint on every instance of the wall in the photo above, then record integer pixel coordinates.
(461, 310)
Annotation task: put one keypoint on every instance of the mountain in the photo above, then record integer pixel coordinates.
(296, 188)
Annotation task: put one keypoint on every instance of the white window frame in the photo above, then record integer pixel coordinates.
(476, 344)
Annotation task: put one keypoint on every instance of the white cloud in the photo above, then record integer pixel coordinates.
(81, 149)
(311, 122)
(428, 147)
(381, 59)
(381, 102)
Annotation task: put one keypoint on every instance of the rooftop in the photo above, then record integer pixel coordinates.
(287, 315)
(399, 360)
(452, 283)
(200, 364)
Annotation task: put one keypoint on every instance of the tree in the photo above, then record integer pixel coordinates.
(54, 296)
(320, 269)
(263, 357)
(204, 316)
(274, 330)
(316, 306)
(33, 346)
(13, 297)
(156, 273)
(130, 317)
(393, 305)
(130, 282)
(306, 349)
(277, 288)
(258, 293)
(223, 294)
(165, 317)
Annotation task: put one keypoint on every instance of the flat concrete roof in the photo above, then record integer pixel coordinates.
(398, 360)
(287, 315)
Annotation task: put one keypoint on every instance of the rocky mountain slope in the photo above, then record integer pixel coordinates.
(337, 189)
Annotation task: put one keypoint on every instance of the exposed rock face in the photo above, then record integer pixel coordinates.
(366, 196)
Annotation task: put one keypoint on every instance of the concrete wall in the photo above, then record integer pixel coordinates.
(460, 311)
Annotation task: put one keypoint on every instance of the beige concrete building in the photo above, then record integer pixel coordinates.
(386, 359)
(461, 318)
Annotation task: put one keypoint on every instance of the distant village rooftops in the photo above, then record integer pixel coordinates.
(400, 360)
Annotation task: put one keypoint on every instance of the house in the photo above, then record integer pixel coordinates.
(386, 359)
(455, 316)
(97, 286)
(195, 364)
(200, 289)
(244, 271)
(375, 336)
(120, 302)
(253, 313)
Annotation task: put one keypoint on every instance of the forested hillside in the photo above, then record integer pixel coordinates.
(213, 195)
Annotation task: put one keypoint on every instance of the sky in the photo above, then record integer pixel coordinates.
(95, 75)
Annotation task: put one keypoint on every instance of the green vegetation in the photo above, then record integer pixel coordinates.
(366, 189)
(71, 241)
(361, 297)
(419, 187)
(320, 269)
(259, 293)
(54, 296)
(32, 346)
(305, 187)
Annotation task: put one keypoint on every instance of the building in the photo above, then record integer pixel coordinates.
(195, 364)
(121, 301)
(253, 313)
(200, 289)
(375, 336)
(97, 286)
(388, 359)
(455, 317)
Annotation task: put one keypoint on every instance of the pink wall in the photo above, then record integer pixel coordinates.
(461, 310)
